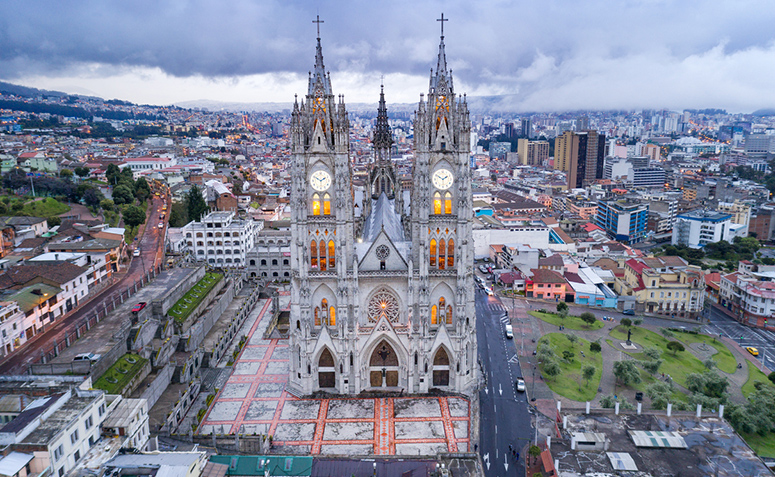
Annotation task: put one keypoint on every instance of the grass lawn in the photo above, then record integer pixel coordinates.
(571, 322)
(754, 374)
(646, 379)
(47, 207)
(678, 367)
(567, 382)
(119, 375)
(723, 358)
(194, 297)
(764, 446)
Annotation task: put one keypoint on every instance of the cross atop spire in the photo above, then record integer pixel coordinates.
(319, 21)
(442, 20)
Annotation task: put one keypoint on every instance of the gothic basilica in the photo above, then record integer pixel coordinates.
(382, 301)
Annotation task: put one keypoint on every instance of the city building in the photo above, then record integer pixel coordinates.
(548, 284)
(750, 296)
(387, 305)
(623, 220)
(532, 153)
(697, 228)
(12, 333)
(499, 150)
(741, 213)
(581, 155)
(664, 285)
(221, 239)
(762, 222)
(270, 259)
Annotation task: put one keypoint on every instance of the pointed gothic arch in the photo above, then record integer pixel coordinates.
(326, 369)
(384, 365)
(441, 367)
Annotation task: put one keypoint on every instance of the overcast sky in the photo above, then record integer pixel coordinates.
(555, 55)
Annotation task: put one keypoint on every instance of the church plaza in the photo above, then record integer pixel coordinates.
(255, 400)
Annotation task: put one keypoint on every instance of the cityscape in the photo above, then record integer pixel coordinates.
(485, 280)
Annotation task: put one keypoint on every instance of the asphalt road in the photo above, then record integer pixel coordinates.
(504, 416)
(152, 250)
(762, 340)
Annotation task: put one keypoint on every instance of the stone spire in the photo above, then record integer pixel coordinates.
(319, 81)
(442, 76)
(383, 137)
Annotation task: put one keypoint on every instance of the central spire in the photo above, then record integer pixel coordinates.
(383, 138)
(441, 64)
(319, 82)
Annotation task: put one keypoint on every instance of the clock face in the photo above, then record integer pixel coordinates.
(320, 180)
(442, 179)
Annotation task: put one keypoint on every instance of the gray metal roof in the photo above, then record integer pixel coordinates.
(383, 216)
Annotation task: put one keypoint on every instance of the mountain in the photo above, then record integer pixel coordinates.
(15, 89)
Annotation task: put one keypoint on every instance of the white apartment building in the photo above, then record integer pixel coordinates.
(11, 327)
(750, 296)
(128, 420)
(57, 430)
(95, 263)
(220, 239)
(698, 228)
(141, 165)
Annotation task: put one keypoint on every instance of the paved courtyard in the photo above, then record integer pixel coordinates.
(254, 400)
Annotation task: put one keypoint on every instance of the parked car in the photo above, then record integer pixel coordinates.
(161, 225)
(520, 384)
(87, 357)
(136, 253)
(628, 312)
(138, 307)
(509, 332)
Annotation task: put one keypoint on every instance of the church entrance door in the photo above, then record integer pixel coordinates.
(326, 370)
(441, 368)
(383, 366)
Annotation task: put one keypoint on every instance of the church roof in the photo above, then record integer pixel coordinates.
(383, 216)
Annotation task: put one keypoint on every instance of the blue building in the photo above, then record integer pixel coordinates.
(623, 220)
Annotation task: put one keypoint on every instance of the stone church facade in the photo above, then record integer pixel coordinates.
(386, 302)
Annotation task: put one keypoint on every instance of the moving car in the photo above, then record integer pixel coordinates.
(161, 225)
(520, 384)
(136, 253)
(138, 307)
(752, 350)
(628, 312)
(87, 357)
(488, 290)
(509, 332)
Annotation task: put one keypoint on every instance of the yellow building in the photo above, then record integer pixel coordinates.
(663, 285)
(689, 194)
(741, 212)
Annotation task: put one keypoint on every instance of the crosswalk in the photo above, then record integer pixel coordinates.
(744, 336)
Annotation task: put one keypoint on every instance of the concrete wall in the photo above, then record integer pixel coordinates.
(212, 356)
(142, 334)
(162, 305)
(117, 350)
(181, 407)
(194, 316)
(197, 332)
(136, 380)
(153, 392)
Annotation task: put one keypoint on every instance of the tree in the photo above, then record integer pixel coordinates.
(561, 306)
(66, 174)
(568, 355)
(54, 221)
(675, 347)
(82, 172)
(112, 173)
(626, 372)
(771, 377)
(588, 318)
(709, 384)
(637, 322)
(709, 363)
(92, 197)
(588, 372)
(652, 353)
(626, 322)
(123, 195)
(666, 332)
(652, 366)
(595, 347)
(195, 203)
(133, 216)
(659, 392)
(572, 338)
(551, 368)
(142, 189)
(178, 215)
(107, 205)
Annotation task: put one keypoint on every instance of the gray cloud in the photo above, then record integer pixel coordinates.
(551, 54)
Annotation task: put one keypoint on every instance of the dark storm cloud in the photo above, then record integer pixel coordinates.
(593, 48)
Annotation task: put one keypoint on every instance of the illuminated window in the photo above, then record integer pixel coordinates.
(442, 251)
(317, 316)
(433, 252)
(322, 249)
(326, 204)
(449, 314)
(437, 203)
(313, 253)
(331, 254)
(332, 316)
(447, 203)
(434, 315)
(451, 253)
(315, 204)
(324, 311)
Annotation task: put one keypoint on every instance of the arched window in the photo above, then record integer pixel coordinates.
(434, 315)
(449, 314)
(447, 203)
(432, 252)
(252, 262)
(317, 316)
(436, 203)
(274, 262)
(332, 316)
(315, 204)
(326, 204)
(324, 311)
(263, 263)
(322, 250)
(331, 254)
(451, 253)
(442, 252)
(313, 254)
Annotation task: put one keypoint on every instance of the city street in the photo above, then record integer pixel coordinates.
(762, 340)
(152, 251)
(505, 418)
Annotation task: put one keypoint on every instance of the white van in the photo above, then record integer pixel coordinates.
(509, 332)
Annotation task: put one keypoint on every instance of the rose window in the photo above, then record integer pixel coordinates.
(383, 303)
(382, 252)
